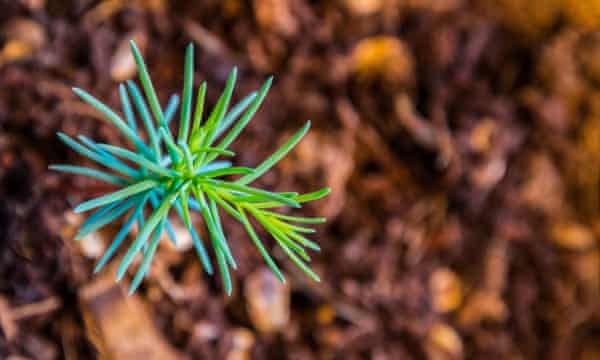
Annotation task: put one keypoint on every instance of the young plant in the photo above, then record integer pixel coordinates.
(184, 172)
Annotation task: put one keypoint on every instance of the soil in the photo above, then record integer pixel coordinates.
(460, 139)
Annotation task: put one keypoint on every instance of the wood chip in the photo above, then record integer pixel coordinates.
(121, 327)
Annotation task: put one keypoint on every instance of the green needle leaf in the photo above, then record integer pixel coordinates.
(260, 246)
(235, 112)
(185, 208)
(140, 160)
(245, 119)
(215, 233)
(216, 150)
(120, 236)
(297, 219)
(201, 251)
(170, 109)
(148, 255)
(117, 195)
(252, 191)
(126, 104)
(219, 111)
(281, 237)
(213, 166)
(277, 155)
(158, 215)
(199, 106)
(319, 194)
(285, 244)
(142, 110)
(299, 263)
(147, 85)
(187, 156)
(226, 206)
(223, 269)
(106, 218)
(223, 172)
(111, 116)
(100, 159)
(220, 235)
(174, 152)
(301, 229)
(99, 214)
(188, 84)
(100, 175)
(304, 241)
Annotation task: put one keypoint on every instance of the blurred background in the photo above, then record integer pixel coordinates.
(461, 140)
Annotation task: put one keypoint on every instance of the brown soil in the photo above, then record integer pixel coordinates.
(460, 139)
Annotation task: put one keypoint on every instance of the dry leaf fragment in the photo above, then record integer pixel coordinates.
(572, 236)
(384, 56)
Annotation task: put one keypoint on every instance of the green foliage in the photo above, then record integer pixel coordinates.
(188, 177)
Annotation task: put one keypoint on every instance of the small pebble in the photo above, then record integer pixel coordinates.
(93, 245)
(122, 64)
(267, 301)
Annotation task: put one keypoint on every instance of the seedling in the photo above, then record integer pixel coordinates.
(186, 172)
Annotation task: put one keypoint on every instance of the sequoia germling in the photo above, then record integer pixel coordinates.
(184, 172)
